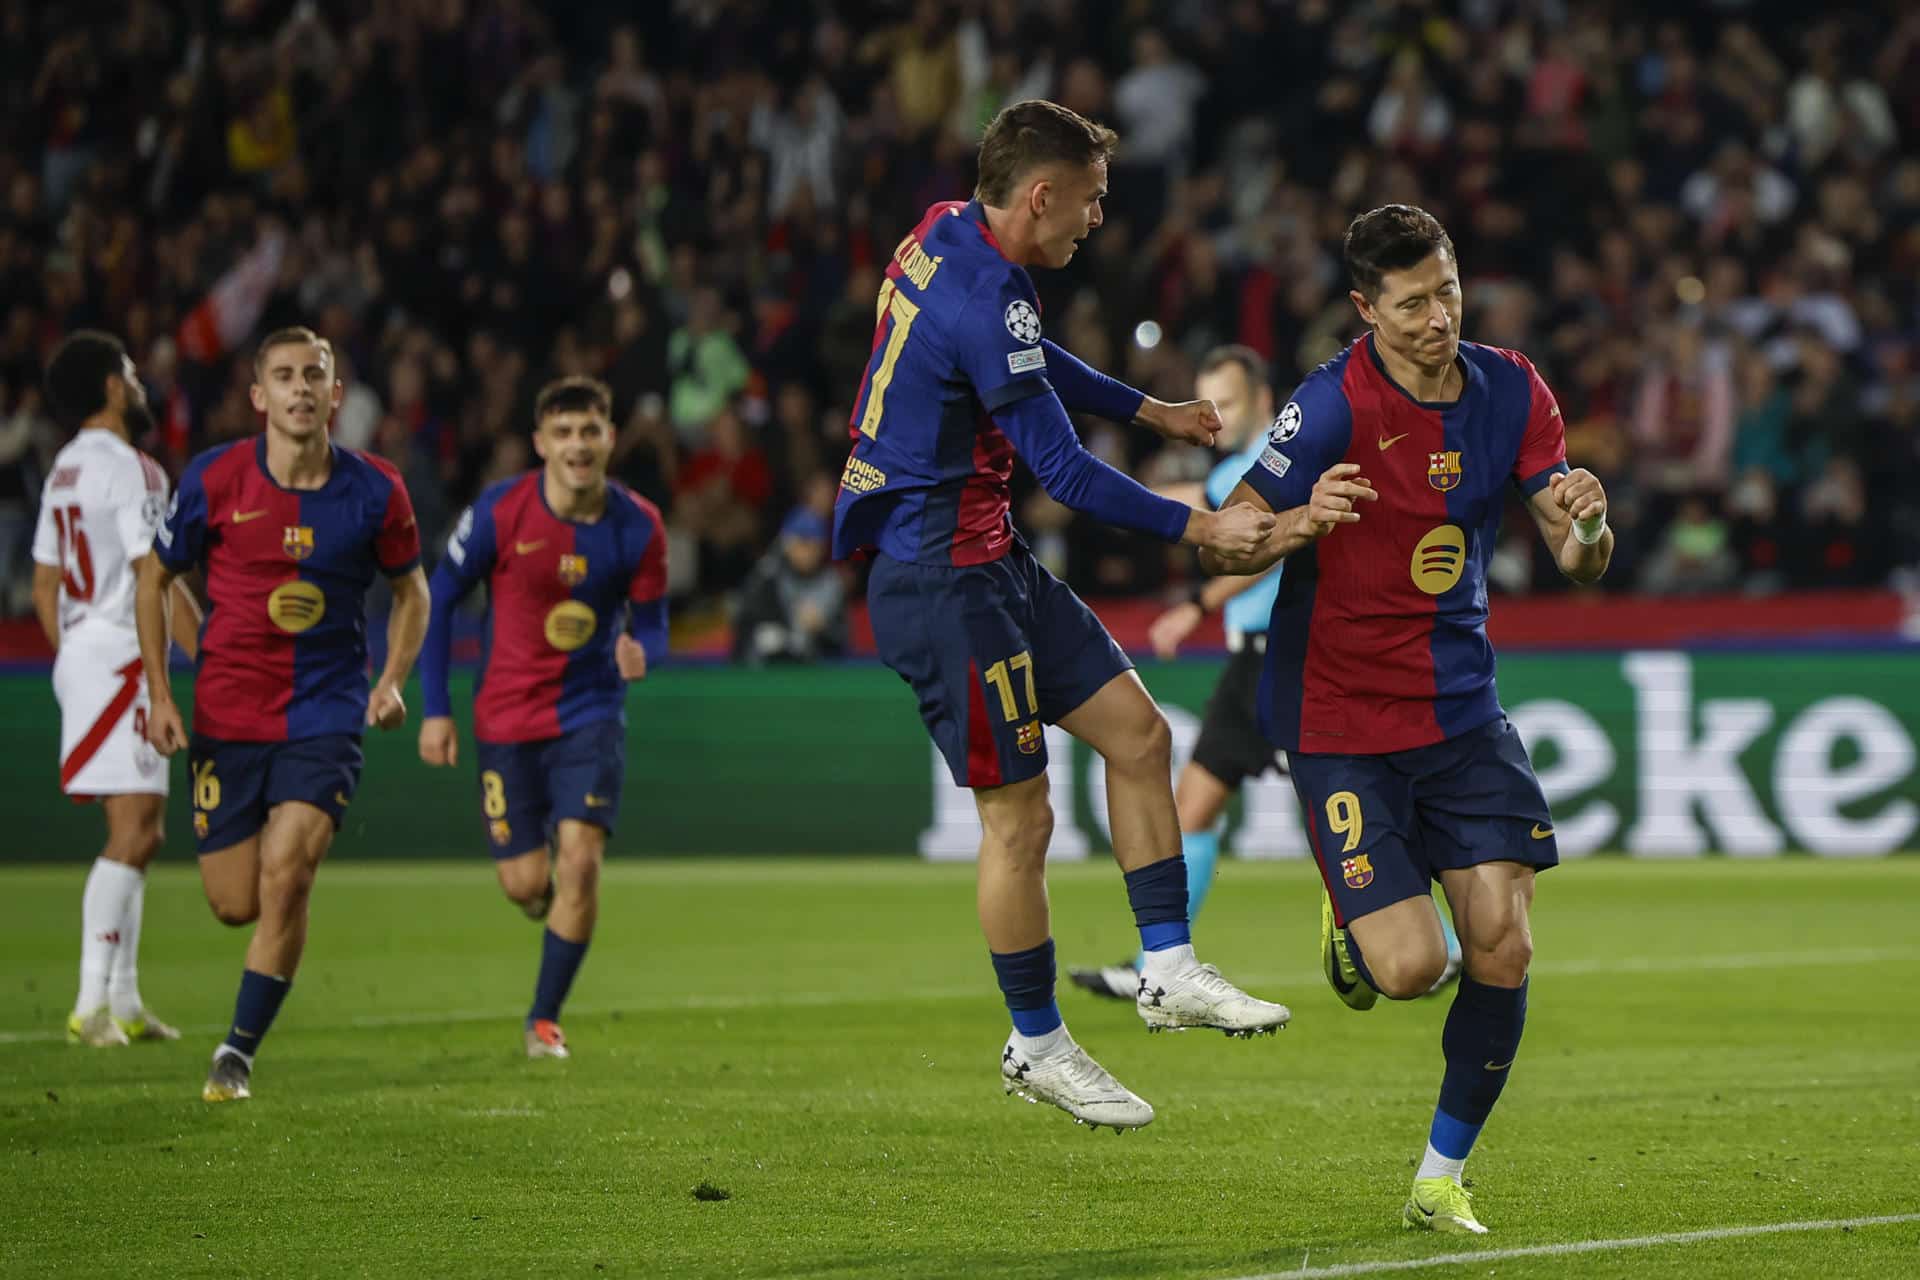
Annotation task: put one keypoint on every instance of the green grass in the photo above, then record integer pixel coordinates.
(1711, 1044)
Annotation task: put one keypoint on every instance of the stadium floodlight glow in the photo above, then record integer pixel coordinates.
(1146, 335)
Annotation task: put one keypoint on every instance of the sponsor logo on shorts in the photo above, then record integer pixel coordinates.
(597, 802)
(1357, 871)
(1028, 738)
(1026, 361)
(1539, 832)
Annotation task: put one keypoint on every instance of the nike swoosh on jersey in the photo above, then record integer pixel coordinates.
(528, 548)
(241, 517)
(1387, 442)
(1541, 833)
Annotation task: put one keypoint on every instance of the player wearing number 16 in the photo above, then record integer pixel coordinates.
(1389, 470)
(994, 647)
(291, 532)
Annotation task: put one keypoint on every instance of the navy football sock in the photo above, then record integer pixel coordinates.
(1480, 1040)
(559, 961)
(1159, 897)
(1026, 980)
(254, 1010)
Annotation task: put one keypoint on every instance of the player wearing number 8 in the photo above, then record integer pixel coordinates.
(576, 577)
(1389, 471)
(98, 512)
(291, 532)
(993, 645)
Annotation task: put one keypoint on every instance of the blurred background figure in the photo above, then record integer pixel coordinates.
(793, 607)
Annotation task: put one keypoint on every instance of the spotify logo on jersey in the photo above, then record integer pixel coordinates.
(294, 606)
(570, 624)
(1439, 559)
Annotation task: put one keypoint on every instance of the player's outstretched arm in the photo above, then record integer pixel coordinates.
(1041, 433)
(1084, 389)
(1572, 514)
(406, 630)
(153, 588)
(1335, 501)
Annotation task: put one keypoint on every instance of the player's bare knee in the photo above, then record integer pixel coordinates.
(577, 872)
(234, 910)
(1146, 748)
(1019, 839)
(1500, 958)
(523, 879)
(1407, 974)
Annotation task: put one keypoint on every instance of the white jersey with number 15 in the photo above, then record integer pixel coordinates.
(98, 512)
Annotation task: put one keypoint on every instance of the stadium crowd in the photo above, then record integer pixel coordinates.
(1706, 231)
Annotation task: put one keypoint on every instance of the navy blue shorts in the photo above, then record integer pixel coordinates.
(528, 788)
(1383, 827)
(235, 784)
(993, 651)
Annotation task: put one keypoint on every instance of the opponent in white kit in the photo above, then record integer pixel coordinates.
(98, 512)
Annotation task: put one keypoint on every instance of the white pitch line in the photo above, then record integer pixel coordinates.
(1580, 1246)
(828, 999)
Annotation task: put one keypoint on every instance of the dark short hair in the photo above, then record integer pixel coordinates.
(1391, 238)
(576, 394)
(297, 335)
(77, 375)
(1249, 361)
(1036, 132)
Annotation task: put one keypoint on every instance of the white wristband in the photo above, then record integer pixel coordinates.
(1588, 532)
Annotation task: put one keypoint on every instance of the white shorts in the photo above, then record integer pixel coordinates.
(103, 717)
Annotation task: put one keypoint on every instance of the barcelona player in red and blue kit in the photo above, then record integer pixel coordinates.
(1389, 471)
(576, 576)
(959, 381)
(291, 532)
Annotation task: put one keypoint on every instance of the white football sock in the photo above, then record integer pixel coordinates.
(123, 978)
(1435, 1165)
(103, 909)
(1163, 964)
(1041, 1045)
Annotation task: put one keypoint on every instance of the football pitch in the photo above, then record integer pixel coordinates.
(1712, 1047)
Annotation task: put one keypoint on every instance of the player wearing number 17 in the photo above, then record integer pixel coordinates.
(993, 646)
(1389, 470)
(290, 531)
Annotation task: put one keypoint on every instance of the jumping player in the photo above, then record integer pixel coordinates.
(98, 512)
(1388, 470)
(291, 532)
(992, 645)
(576, 574)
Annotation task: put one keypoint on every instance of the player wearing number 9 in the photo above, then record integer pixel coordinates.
(1388, 471)
(995, 647)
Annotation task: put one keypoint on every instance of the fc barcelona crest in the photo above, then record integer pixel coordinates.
(297, 542)
(1443, 469)
(1028, 737)
(1357, 871)
(573, 570)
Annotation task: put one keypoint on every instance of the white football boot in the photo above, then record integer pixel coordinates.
(1198, 996)
(1071, 1080)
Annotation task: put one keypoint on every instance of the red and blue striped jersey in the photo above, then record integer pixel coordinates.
(559, 593)
(1378, 641)
(283, 649)
(958, 337)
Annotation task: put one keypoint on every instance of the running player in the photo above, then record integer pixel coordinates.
(1231, 747)
(291, 532)
(576, 574)
(993, 646)
(98, 512)
(1388, 470)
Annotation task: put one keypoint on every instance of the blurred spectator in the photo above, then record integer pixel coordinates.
(26, 439)
(1706, 234)
(793, 607)
(1694, 556)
